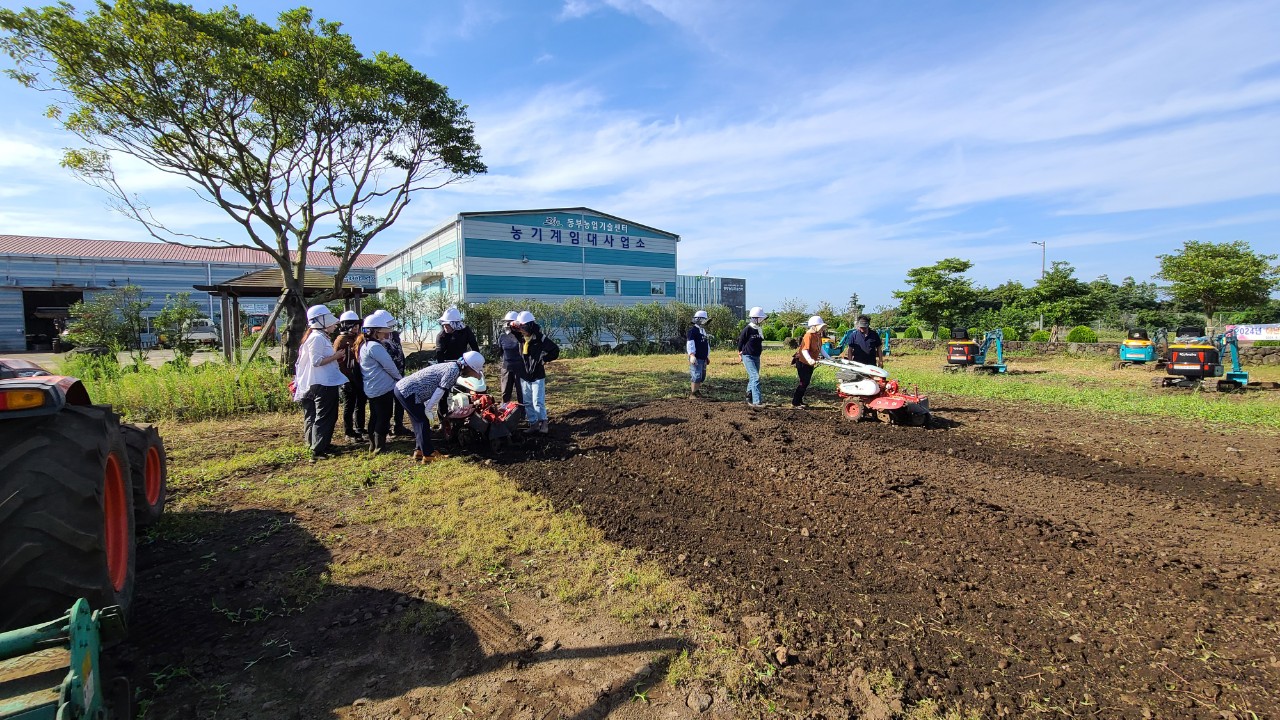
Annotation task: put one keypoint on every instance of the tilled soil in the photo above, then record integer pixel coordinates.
(1006, 559)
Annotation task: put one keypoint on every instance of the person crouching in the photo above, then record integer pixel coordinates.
(420, 393)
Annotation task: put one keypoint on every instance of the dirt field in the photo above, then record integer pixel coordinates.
(1007, 560)
(1011, 561)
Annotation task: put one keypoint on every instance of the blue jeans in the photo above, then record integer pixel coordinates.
(535, 400)
(697, 371)
(417, 413)
(752, 364)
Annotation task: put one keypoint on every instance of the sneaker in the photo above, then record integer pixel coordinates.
(542, 427)
(799, 406)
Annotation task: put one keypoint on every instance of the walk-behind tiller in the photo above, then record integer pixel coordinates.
(472, 410)
(868, 392)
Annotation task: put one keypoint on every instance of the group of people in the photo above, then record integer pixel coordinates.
(363, 363)
(861, 344)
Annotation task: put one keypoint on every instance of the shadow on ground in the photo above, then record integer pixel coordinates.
(235, 616)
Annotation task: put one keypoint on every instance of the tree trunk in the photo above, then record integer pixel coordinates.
(295, 327)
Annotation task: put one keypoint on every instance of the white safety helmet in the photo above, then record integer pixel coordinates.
(451, 316)
(525, 317)
(349, 316)
(320, 317)
(384, 317)
(510, 316)
(756, 313)
(816, 321)
(375, 321)
(700, 317)
(473, 360)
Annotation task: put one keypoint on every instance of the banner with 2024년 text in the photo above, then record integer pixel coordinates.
(1249, 334)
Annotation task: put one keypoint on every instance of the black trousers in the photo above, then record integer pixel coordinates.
(353, 402)
(399, 419)
(510, 379)
(804, 372)
(380, 409)
(319, 416)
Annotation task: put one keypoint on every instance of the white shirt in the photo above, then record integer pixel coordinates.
(309, 371)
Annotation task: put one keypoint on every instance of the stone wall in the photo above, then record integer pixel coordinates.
(1248, 355)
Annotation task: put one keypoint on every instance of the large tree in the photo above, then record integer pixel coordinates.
(1062, 297)
(304, 142)
(938, 293)
(1217, 276)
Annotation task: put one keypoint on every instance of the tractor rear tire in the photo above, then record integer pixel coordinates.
(149, 468)
(66, 515)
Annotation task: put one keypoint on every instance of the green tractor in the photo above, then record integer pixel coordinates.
(75, 485)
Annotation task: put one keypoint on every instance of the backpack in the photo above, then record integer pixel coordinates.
(550, 350)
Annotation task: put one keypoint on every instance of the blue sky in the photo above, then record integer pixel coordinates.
(816, 148)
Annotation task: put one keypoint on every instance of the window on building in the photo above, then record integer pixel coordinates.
(449, 286)
(657, 288)
(612, 287)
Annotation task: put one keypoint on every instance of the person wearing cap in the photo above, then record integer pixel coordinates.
(533, 372)
(750, 345)
(863, 344)
(509, 345)
(699, 349)
(317, 379)
(353, 398)
(420, 393)
(380, 375)
(807, 357)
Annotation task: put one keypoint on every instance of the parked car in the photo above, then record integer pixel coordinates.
(201, 332)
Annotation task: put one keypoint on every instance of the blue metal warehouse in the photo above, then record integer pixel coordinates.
(44, 272)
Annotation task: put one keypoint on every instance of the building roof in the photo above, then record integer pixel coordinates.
(26, 245)
(269, 282)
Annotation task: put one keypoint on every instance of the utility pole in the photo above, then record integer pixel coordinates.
(1041, 243)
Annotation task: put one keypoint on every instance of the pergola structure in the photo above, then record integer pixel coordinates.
(269, 283)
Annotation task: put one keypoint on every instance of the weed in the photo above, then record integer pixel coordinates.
(640, 695)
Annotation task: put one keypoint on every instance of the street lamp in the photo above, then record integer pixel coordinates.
(1042, 252)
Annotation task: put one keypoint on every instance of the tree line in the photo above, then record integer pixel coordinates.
(1204, 283)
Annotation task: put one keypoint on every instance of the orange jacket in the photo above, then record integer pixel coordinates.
(812, 341)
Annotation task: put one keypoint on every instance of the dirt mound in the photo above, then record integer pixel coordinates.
(994, 561)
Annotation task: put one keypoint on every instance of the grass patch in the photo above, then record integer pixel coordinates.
(200, 392)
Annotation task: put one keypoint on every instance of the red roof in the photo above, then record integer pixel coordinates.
(138, 250)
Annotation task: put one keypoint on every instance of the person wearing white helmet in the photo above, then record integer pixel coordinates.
(509, 346)
(380, 375)
(353, 398)
(699, 349)
(421, 392)
(455, 338)
(533, 372)
(391, 341)
(317, 378)
(750, 345)
(807, 357)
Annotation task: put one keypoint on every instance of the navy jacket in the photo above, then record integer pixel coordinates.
(750, 342)
(510, 343)
(451, 345)
(701, 348)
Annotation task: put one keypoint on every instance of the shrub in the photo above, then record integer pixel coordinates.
(1082, 334)
(798, 333)
(1266, 343)
(1039, 336)
(1011, 333)
(974, 333)
(912, 332)
(943, 334)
